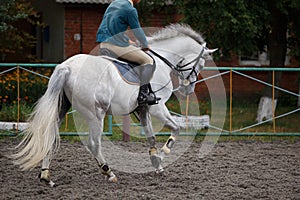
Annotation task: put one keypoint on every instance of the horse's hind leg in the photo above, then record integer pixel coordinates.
(94, 144)
(45, 172)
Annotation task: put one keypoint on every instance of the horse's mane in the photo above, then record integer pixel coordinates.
(174, 30)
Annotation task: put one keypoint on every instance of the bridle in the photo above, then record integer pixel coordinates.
(179, 68)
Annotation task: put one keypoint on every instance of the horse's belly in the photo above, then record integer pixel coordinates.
(124, 100)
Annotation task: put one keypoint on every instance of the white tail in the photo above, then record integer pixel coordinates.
(42, 136)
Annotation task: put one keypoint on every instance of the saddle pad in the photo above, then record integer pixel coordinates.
(126, 72)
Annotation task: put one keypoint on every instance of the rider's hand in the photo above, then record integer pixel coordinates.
(146, 48)
(132, 43)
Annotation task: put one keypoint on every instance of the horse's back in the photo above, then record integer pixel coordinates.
(86, 61)
(94, 79)
(87, 68)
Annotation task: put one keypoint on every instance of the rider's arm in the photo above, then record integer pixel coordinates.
(136, 28)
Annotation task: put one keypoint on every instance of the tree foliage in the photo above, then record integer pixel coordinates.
(148, 10)
(241, 26)
(12, 14)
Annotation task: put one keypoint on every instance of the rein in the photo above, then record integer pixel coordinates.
(163, 59)
(179, 68)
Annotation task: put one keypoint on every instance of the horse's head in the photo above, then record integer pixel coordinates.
(185, 52)
(189, 67)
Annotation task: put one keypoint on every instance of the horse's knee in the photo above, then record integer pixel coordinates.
(176, 130)
(151, 141)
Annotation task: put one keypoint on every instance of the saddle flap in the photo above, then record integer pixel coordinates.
(127, 72)
(125, 68)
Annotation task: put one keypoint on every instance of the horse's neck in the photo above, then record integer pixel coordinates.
(174, 48)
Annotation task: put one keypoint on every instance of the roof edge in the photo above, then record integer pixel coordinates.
(85, 1)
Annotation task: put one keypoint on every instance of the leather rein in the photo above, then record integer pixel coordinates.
(179, 68)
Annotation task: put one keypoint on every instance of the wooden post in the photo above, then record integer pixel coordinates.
(187, 113)
(18, 87)
(230, 101)
(273, 101)
(67, 121)
(126, 128)
(299, 96)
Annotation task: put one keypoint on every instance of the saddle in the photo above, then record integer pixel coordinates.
(125, 68)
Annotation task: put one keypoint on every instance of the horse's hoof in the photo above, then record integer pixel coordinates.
(155, 160)
(47, 182)
(45, 178)
(113, 179)
(160, 170)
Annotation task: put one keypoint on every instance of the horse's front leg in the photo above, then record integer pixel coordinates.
(147, 126)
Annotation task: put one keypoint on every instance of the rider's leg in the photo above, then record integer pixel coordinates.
(146, 95)
(145, 70)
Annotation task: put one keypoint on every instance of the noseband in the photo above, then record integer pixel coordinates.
(179, 68)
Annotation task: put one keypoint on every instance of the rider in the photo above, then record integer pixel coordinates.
(120, 15)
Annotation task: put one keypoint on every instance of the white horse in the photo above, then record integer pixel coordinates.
(93, 86)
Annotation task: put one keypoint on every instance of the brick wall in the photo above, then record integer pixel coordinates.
(85, 20)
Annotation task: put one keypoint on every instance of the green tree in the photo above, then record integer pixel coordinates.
(14, 40)
(245, 26)
(148, 9)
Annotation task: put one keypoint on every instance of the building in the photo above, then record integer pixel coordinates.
(71, 27)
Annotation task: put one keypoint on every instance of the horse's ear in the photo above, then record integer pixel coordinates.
(208, 51)
(204, 44)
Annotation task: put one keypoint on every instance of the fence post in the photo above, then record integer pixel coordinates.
(67, 121)
(126, 128)
(230, 101)
(110, 121)
(18, 88)
(273, 100)
(187, 112)
(299, 96)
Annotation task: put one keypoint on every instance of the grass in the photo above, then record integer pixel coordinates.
(9, 113)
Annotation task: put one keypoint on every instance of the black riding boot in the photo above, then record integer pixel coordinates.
(147, 96)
